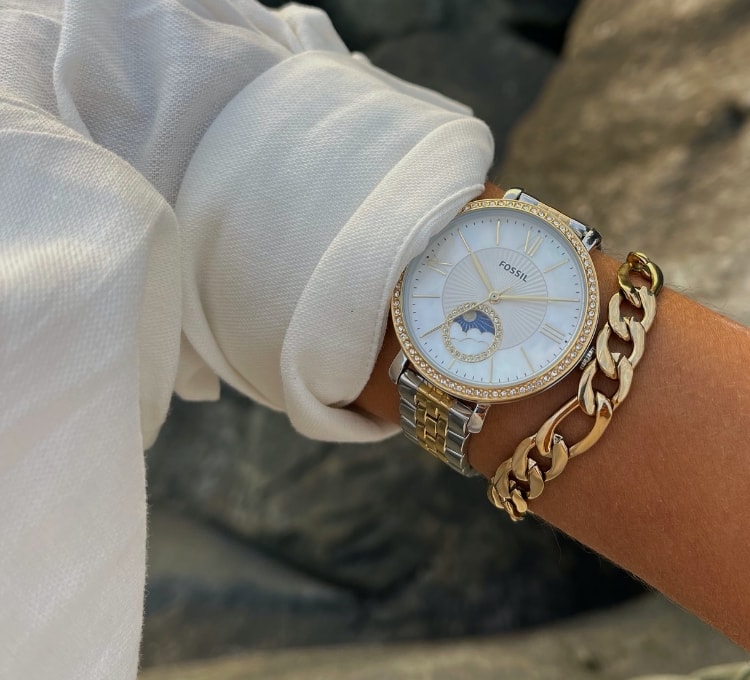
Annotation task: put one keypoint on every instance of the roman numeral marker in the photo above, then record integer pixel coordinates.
(530, 249)
(552, 333)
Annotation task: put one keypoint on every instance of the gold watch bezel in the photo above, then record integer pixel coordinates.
(567, 362)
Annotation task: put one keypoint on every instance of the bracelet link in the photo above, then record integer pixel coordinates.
(640, 264)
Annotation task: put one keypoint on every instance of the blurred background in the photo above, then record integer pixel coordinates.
(311, 560)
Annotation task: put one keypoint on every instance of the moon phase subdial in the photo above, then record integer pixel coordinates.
(472, 332)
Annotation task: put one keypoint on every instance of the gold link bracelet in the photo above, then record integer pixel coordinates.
(521, 478)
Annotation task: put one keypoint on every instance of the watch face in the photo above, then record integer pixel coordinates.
(503, 302)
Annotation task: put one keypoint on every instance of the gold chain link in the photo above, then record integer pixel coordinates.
(522, 478)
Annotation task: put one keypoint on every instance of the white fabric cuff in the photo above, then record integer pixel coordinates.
(288, 263)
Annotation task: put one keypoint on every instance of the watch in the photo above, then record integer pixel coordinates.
(502, 304)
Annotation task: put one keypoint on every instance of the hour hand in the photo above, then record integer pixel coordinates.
(477, 265)
(536, 298)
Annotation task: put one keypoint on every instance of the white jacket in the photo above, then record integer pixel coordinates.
(190, 191)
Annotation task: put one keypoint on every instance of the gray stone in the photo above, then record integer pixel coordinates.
(420, 548)
(363, 25)
(210, 594)
(496, 73)
(650, 635)
(643, 132)
(532, 15)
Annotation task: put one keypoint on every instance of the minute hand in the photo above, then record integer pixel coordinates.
(535, 298)
(477, 265)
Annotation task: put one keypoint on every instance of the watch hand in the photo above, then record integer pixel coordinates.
(477, 265)
(535, 298)
(432, 330)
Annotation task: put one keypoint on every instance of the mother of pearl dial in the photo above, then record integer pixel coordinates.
(502, 303)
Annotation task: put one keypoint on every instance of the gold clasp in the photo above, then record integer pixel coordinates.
(640, 264)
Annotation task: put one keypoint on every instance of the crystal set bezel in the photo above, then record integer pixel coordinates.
(571, 357)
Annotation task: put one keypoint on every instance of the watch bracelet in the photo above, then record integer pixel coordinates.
(436, 421)
(543, 456)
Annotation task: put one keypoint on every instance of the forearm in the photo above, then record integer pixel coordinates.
(664, 493)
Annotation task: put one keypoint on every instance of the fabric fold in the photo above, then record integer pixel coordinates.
(89, 275)
(316, 172)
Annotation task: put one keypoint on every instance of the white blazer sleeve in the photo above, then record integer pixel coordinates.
(295, 231)
(191, 191)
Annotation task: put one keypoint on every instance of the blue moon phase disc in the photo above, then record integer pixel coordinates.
(475, 319)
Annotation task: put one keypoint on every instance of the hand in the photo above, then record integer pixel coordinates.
(494, 299)
(478, 265)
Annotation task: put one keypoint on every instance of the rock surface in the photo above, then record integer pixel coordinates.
(401, 547)
(206, 586)
(650, 635)
(643, 132)
(365, 24)
(497, 73)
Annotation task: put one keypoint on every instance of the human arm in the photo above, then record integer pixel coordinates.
(664, 492)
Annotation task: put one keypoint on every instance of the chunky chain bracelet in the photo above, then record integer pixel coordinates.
(544, 455)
